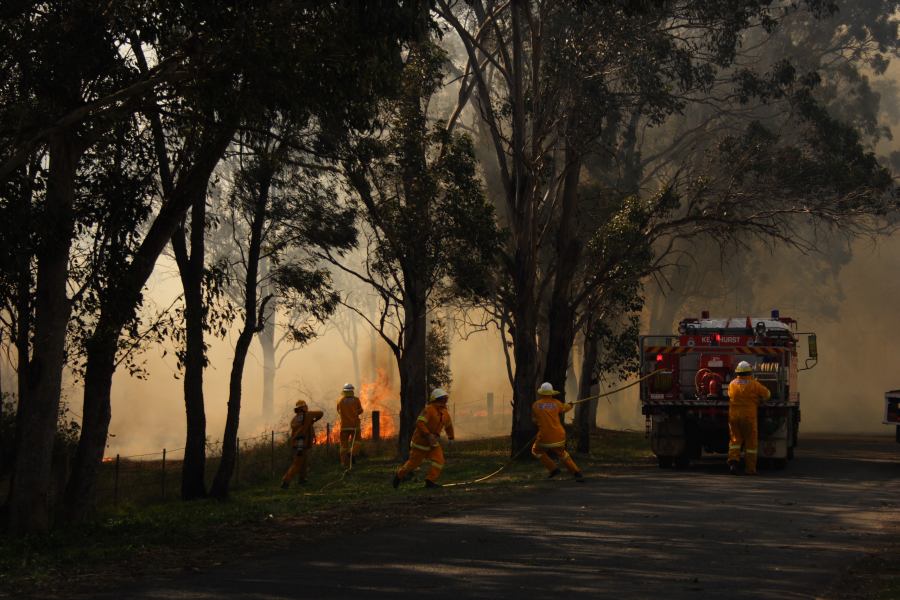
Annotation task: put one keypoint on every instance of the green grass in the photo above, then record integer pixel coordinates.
(143, 535)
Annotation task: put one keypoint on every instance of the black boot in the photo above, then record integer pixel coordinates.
(733, 468)
(579, 477)
(553, 474)
(430, 484)
(284, 485)
(395, 481)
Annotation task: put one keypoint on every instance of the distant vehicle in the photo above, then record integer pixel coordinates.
(892, 411)
(686, 404)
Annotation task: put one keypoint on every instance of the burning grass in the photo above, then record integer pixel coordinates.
(135, 539)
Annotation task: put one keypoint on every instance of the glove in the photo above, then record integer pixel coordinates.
(433, 440)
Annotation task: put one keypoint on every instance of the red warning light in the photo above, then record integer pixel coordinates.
(659, 357)
(718, 337)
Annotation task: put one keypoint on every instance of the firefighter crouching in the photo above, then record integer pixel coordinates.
(302, 437)
(349, 408)
(551, 437)
(744, 393)
(425, 444)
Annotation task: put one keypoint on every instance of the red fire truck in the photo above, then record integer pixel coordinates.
(685, 402)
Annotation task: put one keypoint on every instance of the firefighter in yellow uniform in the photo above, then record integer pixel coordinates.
(550, 442)
(349, 408)
(744, 393)
(302, 438)
(425, 444)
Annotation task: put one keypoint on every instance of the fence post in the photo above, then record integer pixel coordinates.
(237, 464)
(490, 406)
(164, 474)
(116, 484)
(376, 425)
(273, 454)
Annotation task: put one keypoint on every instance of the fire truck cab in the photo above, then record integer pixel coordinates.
(685, 399)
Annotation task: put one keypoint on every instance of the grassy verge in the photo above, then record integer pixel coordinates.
(131, 540)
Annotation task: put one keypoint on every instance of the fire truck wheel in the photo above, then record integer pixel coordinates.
(665, 462)
(790, 453)
(779, 463)
(682, 462)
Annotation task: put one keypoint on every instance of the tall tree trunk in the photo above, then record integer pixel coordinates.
(252, 319)
(97, 412)
(354, 350)
(562, 311)
(29, 509)
(520, 200)
(222, 482)
(123, 300)
(413, 369)
(586, 412)
(267, 340)
(266, 337)
(416, 266)
(191, 268)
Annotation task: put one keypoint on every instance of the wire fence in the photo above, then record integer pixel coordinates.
(156, 476)
(150, 477)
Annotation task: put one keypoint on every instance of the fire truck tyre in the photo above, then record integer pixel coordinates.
(779, 464)
(790, 453)
(682, 462)
(665, 462)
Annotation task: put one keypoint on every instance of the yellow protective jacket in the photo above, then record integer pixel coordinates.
(545, 413)
(302, 427)
(434, 418)
(349, 408)
(745, 394)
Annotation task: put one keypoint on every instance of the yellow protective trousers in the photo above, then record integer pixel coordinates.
(546, 453)
(349, 445)
(298, 467)
(743, 431)
(419, 454)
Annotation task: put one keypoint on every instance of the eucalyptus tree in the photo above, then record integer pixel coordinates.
(555, 86)
(426, 224)
(239, 74)
(279, 211)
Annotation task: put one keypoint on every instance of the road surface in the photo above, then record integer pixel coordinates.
(630, 533)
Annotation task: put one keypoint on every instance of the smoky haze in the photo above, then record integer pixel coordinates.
(851, 309)
(858, 362)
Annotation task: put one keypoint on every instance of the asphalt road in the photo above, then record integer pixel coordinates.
(629, 533)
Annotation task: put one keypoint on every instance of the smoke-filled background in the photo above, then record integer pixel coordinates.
(855, 318)
(846, 294)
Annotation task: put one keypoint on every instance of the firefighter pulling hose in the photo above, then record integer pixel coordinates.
(522, 450)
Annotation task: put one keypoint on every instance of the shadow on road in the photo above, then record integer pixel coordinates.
(631, 533)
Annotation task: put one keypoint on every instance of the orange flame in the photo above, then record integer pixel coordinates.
(374, 395)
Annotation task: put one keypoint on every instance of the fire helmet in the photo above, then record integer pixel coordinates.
(546, 389)
(743, 367)
(348, 389)
(438, 394)
(300, 405)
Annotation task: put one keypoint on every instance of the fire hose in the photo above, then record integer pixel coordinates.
(518, 453)
(346, 471)
(515, 456)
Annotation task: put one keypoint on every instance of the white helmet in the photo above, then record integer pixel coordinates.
(437, 394)
(348, 389)
(546, 389)
(743, 367)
